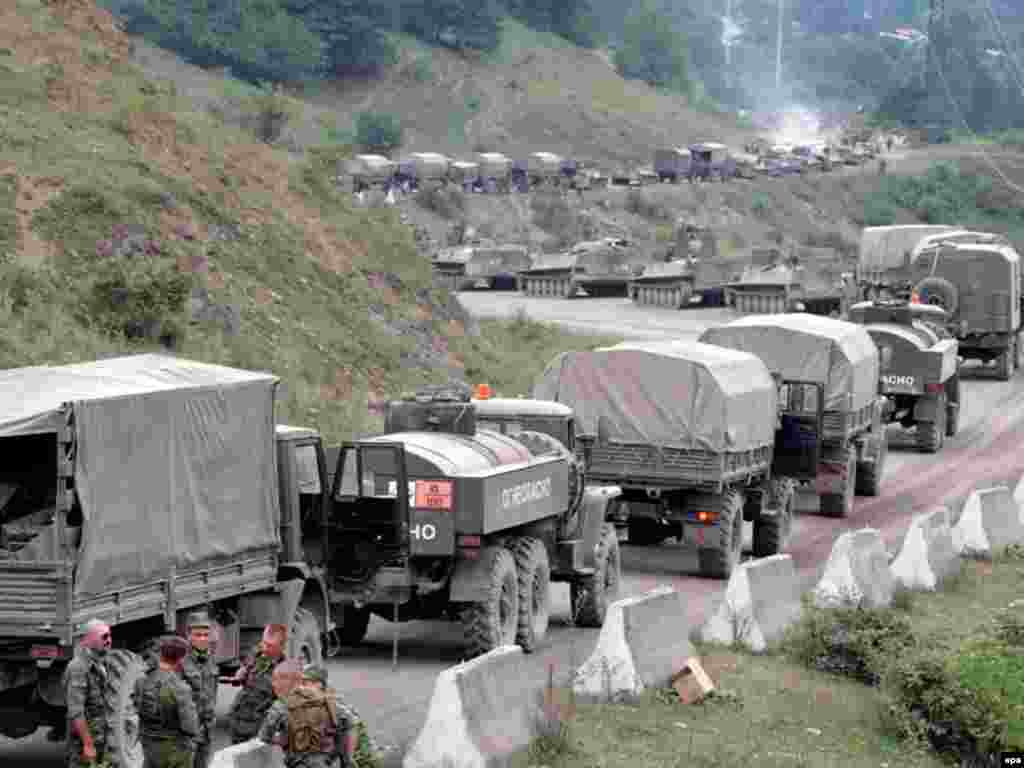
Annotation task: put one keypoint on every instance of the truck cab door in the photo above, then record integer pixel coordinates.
(371, 493)
(798, 434)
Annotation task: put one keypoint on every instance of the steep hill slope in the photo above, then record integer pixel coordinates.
(128, 218)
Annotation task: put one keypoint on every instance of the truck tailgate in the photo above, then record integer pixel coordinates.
(34, 598)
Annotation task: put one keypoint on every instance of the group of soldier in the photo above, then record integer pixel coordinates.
(280, 703)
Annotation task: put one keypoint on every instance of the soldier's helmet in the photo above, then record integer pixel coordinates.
(199, 620)
(173, 647)
(315, 673)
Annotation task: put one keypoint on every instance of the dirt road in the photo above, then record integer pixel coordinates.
(394, 701)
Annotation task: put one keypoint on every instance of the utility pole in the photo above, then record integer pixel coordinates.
(778, 52)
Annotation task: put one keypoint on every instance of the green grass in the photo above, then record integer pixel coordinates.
(771, 710)
(8, 220)
(517, 39)
(306, 321)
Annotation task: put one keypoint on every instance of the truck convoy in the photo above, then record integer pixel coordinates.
(692, 435)
(842, 358)
(920, 368)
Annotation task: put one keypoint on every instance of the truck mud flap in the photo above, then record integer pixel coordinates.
(831, 479)
(702, 536)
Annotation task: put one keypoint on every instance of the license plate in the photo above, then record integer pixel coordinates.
(697, 535)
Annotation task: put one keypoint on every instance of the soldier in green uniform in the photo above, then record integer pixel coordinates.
(256, 679)
(309, 726)
(84, 682)
(168, 723)
(200, 673)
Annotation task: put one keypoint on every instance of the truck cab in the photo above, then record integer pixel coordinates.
(511, 415)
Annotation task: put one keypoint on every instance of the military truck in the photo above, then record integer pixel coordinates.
(672, 164)
(437, 518)
(597, 267)
(885, 256)
(485, 265)
(692, 435)
(843, 359)
(465, 174)
(920, 367)
(709, 160)
(544, 168)
(370, 170)
(135, 490)
(976, 279)
(495, 171)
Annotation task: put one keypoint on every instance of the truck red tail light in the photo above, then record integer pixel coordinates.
(468, 541)
(707, 517)
(45, 652)
(936, 388)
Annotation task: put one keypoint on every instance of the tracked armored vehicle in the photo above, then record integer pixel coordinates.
(481, 266)
(437, 518)
(920, 367)
(843, 359)
(692, 435)
(811, 281)
(598, 268)
(692, 275)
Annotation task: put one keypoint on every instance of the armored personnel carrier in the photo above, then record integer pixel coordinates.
(482, 265)
(598, 268)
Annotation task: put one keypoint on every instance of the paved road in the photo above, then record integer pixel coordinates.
(394, 701)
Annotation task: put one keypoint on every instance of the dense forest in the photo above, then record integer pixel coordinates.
(961, 71)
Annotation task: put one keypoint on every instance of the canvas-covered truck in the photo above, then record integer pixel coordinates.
(976, 279)
(693, 437)
(920, 367)
(370, 170)
(843, 359)
(481, 266)
(885, 256)
(495, 171)
(672, 164)
(544, 168)
(437, 518)
(135, 490)
(597, 267)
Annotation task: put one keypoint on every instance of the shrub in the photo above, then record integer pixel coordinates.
(877, 213)
(760, 204)
(552, 214)
(637, 202)
(447, 202)
(378, 131)
(853, 642)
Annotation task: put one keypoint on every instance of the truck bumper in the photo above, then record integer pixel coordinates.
(831, 478)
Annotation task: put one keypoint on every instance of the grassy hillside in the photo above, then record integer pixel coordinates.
(128, 212)
(535, 92)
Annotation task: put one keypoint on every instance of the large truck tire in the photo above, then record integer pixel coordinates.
(354, 623)
(533, 571)
(870, 472)
(494, 621)
(124, 668)
(592, 595)
(932, 434)
(719, 562)
(1006, 363)
(940, 292)
(771, 533)
(840, 505)
(304, 638)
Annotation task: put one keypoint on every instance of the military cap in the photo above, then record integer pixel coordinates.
(315, 673)
(199, 620)
(173, 647)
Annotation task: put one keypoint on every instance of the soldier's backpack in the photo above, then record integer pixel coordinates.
(311, 717)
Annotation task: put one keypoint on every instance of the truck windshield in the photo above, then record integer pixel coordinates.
(380, 475)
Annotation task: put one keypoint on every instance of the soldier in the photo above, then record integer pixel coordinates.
(84, 683)
(256, 679)
(200, 673)
(168, 723)
(309, 726)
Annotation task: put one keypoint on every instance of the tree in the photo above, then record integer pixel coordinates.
(460, 24)
(651, 51)
(378, 131)
(352, 34)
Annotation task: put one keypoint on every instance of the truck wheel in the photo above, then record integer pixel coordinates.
(952, 419)
(771, 534)
(354, 623)
(493, 622)
(869, 473)
(719, 563)
(841, 504)
(533, 571)
(124, 668)
(931, 434)
(1007, 363)
(304, 638)
(592, 595)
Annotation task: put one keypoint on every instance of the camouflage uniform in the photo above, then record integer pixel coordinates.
(84, 682)
(255, 698)
(310, 728)
(168, 722)
(201, 675)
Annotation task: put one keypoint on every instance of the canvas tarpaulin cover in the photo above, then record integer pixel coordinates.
(672, 394)
(175, 460)
(800, 347)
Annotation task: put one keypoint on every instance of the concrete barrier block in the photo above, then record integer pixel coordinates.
(927, 557)
(249, 754)
(857, 572)
(761, 599)
(481, 711)
(644, 642)
(991, 521)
